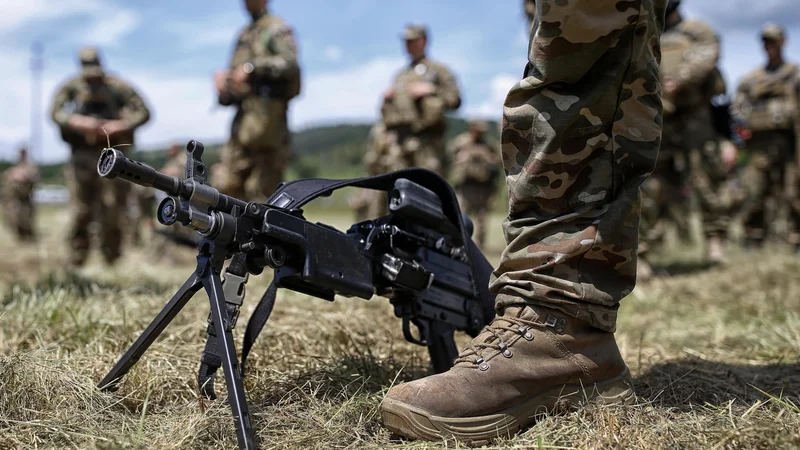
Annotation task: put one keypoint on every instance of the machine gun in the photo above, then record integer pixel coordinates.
(420, 256)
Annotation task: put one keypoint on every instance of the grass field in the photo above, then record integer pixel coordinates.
(715, 353)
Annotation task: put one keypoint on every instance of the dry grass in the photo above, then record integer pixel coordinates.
(715, 353)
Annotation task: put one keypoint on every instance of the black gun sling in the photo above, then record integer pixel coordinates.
(296, 194)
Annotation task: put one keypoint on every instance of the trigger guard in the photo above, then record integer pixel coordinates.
(409, 336)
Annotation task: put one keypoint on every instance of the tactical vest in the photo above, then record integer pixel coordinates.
(101, 101)
(474, 163)
(402, 110)
(676, 51)
(772, 102)
(255, 41)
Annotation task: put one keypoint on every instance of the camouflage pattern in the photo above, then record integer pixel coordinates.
(259, 150)
(367, 203)
(581, 133)
(767, 103)
(415, 128)
(718, 188)
(94, 198)
(19, 182)
(690, 52)
(142, 208)
(475, 171)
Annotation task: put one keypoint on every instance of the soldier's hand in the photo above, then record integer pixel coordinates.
(113, 127)
(83, 124)
(670, 87)
(239, 77)
(421, 89)
(221, 81)
(729, 154)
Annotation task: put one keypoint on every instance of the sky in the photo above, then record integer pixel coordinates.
(349, 51)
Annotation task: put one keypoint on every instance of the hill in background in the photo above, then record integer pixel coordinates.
(333, 151)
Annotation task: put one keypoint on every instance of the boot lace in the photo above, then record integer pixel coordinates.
(474, 352)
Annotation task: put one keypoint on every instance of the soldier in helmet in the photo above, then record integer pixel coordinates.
(690, 79)
(475, 169)
(263, 76)
(414, 107)
(767, 103)
(19, 181)
(92, 110)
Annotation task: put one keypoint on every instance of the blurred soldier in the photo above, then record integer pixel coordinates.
(176, 167)
(19, 181)
(529, 6)
(142, 206)
(93, 109)
(263, 76)
(690, 79)
(366, 203)
(414, 108)
(767, 103)
(476, 166)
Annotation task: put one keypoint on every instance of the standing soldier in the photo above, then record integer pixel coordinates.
(19, 181)
(767, 103)
(90, 109)
(263, 76)
(414, 108)
(690, 79)
(476, 166)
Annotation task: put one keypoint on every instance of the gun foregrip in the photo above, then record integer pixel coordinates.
(114, 164)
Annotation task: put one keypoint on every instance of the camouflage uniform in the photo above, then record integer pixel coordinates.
(105, 98)
(415, 128)
(259, 150)
(690, 52)
(19, 182)
(767, 102)
(475, 169)
(367, 203)
(581, 134)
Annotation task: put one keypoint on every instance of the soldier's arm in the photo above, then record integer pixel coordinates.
(447, 90)
(703, 58)
(58, 111)
(741, 98)
(135, 111)
(283, 64)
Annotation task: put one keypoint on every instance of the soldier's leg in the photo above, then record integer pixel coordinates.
(237, 167)
(753, 211)
(581, 133)
(26, 221)
(115, 218)
(270, 167)
(84, 184)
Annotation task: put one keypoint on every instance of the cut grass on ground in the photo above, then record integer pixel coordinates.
(715, 353)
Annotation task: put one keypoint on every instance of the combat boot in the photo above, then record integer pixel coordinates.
(528, 362)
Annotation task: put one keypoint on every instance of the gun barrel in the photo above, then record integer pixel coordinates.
(114, 164)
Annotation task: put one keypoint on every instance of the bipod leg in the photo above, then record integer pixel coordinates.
(149, 335)
(230, 364)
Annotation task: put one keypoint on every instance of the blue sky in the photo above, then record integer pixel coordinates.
(349, 50)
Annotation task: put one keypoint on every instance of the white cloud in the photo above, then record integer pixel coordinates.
(333, 53)
(109, 28)
(350, 94)
(492, 107)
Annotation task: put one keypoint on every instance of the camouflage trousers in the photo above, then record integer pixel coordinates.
(19, 215)
(772, 209)
(403, 150)
(255, 158)
(719, 192)
(666, 200)
(580, 134)
(475, 200)
(95, 199)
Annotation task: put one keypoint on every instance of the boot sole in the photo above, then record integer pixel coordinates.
(415, 423)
